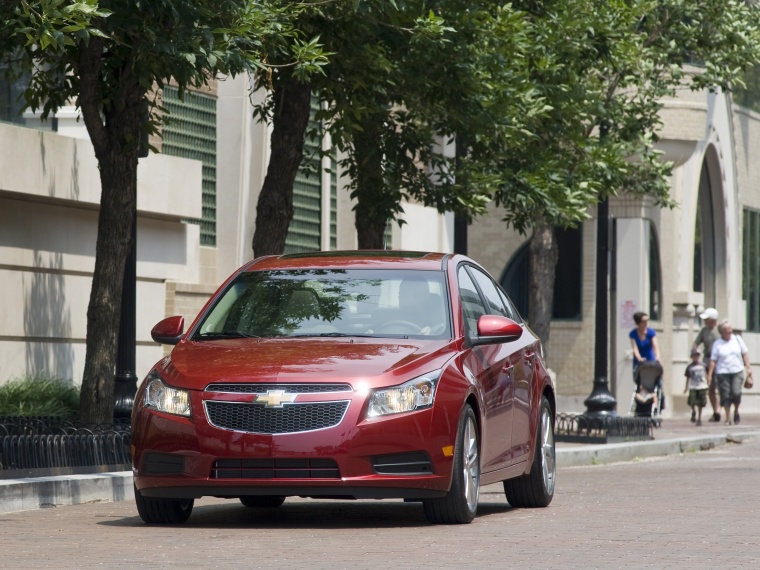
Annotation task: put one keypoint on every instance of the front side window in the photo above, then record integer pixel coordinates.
(490, 292)
(472, 306)
(330, 302)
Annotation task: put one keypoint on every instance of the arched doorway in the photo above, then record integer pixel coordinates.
(711, 237)
(568, 280)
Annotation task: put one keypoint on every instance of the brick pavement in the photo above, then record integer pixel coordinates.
(686, 511)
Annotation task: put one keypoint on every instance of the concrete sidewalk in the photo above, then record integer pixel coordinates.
(676, 435)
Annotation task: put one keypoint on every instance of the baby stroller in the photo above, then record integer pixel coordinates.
(647, 399)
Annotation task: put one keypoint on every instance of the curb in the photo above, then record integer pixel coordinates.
(45, 492)
(629, 451)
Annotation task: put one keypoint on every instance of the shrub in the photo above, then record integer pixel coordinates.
(35, 396)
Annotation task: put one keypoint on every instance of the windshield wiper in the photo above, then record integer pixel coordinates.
(332, 334)
(225, 334)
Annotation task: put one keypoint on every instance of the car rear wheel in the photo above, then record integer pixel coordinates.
(163, 511)
(262, 501)
(537, 488)
(461, 502)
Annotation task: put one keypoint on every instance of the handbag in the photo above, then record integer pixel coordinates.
(748, 383)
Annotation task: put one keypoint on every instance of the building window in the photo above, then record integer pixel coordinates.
(189, 131)
(655, 276)
(12, 99)
(704, 241)
(751, 267)
(698, 267)
(568, 279)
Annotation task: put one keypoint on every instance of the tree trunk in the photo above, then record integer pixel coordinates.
(118, 176)
(543, 262)
(116, 144)
(274, 210)
(372, 215)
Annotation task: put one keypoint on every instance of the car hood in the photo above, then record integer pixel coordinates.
(376, 362)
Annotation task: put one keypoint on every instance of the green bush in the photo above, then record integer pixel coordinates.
(35, 396)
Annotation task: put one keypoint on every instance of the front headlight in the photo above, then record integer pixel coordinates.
(164, 398)
(413, 395)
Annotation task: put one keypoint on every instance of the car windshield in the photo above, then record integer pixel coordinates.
(331, 302)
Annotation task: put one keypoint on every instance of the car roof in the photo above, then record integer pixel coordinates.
(361, 259)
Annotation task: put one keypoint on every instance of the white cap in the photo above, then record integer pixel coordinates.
(709, 314)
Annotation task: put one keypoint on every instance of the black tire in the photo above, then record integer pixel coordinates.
(461, 502)
(262, 501)
(536, 489)
(163, 511)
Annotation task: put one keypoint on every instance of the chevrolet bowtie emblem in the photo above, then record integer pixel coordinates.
(275, 398)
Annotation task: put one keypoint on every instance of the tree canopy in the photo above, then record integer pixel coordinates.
(108, 58)
(543, 106)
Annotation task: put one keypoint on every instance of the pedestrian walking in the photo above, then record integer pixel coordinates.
(708, 334)
(729, 361)
(643, 341)
(696, 385)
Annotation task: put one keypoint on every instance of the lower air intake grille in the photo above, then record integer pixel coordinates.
(275, 469)
(291, 418)
(412, 463)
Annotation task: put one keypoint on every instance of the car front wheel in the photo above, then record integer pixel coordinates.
(163, 511)
(536, 489)
(461, 502)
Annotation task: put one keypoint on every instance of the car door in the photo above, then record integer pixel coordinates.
(529, 351)
(492, 367)
(521, 356)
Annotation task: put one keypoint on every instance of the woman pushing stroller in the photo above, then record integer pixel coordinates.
(647, 370)
(643, 342)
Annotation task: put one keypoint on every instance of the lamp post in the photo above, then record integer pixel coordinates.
(601, 403)
(461, 226)
(125, 377)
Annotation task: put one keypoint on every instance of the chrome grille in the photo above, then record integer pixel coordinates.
(291, 418)
(279, 468)
(289, 388)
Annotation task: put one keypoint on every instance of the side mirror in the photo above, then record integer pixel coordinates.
(493, 329)
(169, 331)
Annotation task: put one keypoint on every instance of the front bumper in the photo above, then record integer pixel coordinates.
(406, 456)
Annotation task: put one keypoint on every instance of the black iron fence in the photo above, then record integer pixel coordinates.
(582, 428)
(38, 446)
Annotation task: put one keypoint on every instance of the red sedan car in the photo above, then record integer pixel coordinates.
(347, 375)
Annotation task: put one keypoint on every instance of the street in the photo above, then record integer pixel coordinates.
(688, 511)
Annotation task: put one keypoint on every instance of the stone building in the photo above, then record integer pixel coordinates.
(668, 263)
(196, 212)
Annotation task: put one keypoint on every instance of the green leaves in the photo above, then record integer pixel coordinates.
(186, 41)
(37, 396)
(607, 63)
(52, 24)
